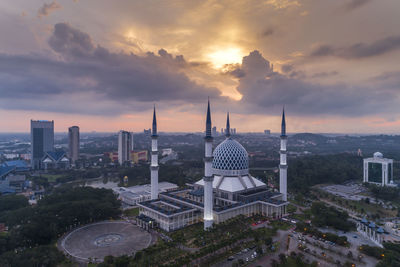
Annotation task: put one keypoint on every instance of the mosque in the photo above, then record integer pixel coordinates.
(226, 190)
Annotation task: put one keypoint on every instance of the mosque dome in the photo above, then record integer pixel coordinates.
(230, 158)
(378, 155)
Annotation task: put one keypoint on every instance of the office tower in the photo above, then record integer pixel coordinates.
(132, 145)
(267, 132)
(73, 143)
(124, 146)
(42, 140)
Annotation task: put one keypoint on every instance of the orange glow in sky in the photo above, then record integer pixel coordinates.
(225, 55)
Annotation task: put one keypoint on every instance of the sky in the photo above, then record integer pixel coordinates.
(103, 65)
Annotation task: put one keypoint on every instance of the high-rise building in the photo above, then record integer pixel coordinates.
(124, 146)
(73, 143)
(132, 145)
(42, 141)
(267, 132)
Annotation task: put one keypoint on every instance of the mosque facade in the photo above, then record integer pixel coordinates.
(226, 190)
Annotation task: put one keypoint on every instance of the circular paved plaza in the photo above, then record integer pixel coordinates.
(97, 240)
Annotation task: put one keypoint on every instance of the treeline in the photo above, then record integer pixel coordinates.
(308, 171)
(384, 192)
(55, 214)
(227, 235)
(12, 202)
(188, 171)
(389, 255)
(330, 216)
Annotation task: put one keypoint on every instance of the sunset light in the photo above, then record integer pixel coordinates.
(227, 55)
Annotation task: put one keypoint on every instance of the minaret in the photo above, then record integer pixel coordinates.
(154, 158)
(228, 127)
(283, 163)
(208, 177)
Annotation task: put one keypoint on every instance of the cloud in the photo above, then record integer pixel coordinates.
(268, 32)
(264, 91)
(71, 42)
(359, 50)
(283, 4)
(355, 4)
(324, 74)
(80, 76)
(47, 9)
(234, 70)
(287, 68)
(91, 73)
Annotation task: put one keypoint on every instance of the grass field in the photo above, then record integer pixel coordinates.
(51, 177)
(131, 212)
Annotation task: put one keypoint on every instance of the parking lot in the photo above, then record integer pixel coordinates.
(327, 253)
(247, 255)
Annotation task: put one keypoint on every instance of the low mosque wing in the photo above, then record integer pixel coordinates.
(226, 190)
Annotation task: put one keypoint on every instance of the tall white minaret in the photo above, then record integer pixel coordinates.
(283, 163)
(208, 177)
(154, 158)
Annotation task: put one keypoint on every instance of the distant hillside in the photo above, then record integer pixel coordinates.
(309, 137)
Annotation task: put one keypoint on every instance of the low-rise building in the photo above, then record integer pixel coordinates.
(55, 160)
(133, 195)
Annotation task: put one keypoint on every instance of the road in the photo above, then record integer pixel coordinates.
(237, 256)
(266, 260)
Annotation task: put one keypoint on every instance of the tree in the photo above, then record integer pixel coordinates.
(291, 209)
(12, 202)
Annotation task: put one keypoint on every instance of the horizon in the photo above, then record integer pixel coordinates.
(333, 65)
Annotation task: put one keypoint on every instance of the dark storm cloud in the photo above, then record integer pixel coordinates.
(82, 68)
(46, 9)
(69, 41)
(264, 91)
(354, 4)
(233, 70)
(359, 50)
(287, 68)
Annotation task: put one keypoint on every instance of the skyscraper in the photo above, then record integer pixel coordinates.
(73, 143)
(42, 140)
(132, 145)
(124, 146)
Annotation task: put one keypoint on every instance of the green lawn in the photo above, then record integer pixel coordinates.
(280, 225)
(52, 177)
(131, 212)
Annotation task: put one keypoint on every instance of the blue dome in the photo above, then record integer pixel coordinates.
(230, 156)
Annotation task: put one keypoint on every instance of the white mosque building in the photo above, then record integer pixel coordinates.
(226, 190)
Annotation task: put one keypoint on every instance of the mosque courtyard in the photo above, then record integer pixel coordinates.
(95, 241)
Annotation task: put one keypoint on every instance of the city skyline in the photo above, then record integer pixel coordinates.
(333, 65)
